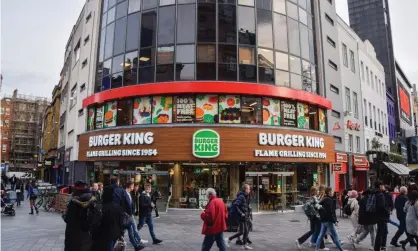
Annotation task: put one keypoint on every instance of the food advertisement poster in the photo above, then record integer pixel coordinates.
(162, 110)
(110, 111)
(207, 109)
(229, 109)
(142, 110)
(271, 111)
(404, 104)
(185, 109)
(99, 117)
(91, 118)
(303, 116)
(289, 113)
(322, 120)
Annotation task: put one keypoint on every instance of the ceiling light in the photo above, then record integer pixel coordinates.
(145, 59)
(253, 103)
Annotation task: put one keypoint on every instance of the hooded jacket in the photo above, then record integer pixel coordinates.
(364, 218)
(354, 205)
(327, 211)
(241, 204)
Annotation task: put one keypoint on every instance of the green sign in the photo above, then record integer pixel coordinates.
(206, 144)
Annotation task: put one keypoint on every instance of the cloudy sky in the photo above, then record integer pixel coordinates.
(34, 34)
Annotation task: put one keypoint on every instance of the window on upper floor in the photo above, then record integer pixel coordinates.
(344, 54)
(82, 87)
(347, 100)
(86, 39)
(334, 89)
(335, 114)
(73, 97)
(362, 70)
(88, 17)
(84, 64)
(352, 61)
(355, 103)
(337, 139)
(329, 19)
(371, 80)
(331, 42)
(332, 65)
(80, 112)
(350, 143)
(357, 144)
(77, 51)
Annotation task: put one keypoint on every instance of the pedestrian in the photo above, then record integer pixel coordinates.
(311, 208)
(390, 204)
(129, 208)
(400, 202)
(365, 220)
(328, 219)
(354, 209)
(156, 195)
(321, 192)
(411, 209)
(33, 194)
(77, 230)
(145, 210)
(13, 180)
(214, 218)
(381, 210)
(240, 212)
(111, 227)
(95, 192)
(412, 186)
(135, 198)
(20, 190)
(100, 189)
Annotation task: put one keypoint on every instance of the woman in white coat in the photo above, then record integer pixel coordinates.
(354, 206)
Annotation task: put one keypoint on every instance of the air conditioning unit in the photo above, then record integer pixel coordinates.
(347, 113)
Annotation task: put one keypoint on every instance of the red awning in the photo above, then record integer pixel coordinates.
(360, 163)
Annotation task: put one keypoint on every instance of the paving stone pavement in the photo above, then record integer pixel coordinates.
(179, 231)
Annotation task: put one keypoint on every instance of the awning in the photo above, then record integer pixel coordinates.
(360, 162)
(399, 169)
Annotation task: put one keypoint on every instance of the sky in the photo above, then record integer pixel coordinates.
(34, 34)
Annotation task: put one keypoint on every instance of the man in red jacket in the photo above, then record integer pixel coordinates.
(214, 221)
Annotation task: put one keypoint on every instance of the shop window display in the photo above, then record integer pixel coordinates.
(251, 110)
(184, 109)
(99, 117)
(91, 117)
(162, 110)
(229, 109)
(303, 115)
(322, 120)
(313, 118)
(110, 114)
(207, 109)
(124, 114)
(142, 110)
(288, 113)
(271, 112)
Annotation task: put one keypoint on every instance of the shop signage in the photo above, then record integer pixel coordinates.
(289, 113)
(48, 163)
(337, 167)
(341, 157)
(99, 117)
(336, 126)
(360, 163)
(206, 144)
(203, 200)
(353, 126)
(185, 109)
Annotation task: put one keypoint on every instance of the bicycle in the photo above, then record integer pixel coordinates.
(50, 201)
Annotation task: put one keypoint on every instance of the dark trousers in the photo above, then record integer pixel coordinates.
(243, 230)
(210, 239)
(382, 232)
(315, 229)
(412, 239)
(401, 230)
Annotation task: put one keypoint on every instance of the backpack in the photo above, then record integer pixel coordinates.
(309, 209)
(371, 204)
(94, 216)
(35, 191)
(347, 210)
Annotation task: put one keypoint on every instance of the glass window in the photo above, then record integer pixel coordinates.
(279, 6)
(304, 41)
(303, 18)
(167, 19)
(186, 1)
(293, 27)
(107, 67)
(130, 77)
(264, 4)
(311, 47)
(306, 84)
(280, 32)
(162, 109)
(134, 6)
(102, 45)
(247, 73)
(148, 28)
(117, 64)
(165, 73)
(288, 112)
(165, 55)
(302, 3)
(227, 72)
(206, 27)
(345, 56)
(352, 62)
(184, 72)
(227, 54)
(265, 58)
(246, 2)
(105, 5)
(206, 71)
(282, 61)
(246, 55)
(167, 2)
(206, 53)
(106, 83)
(132, 36)
(229, 109)
(124, 114)
(184, 109)
(207, 109)
(111, 15)
(348, 100)
(117, 80)
(121, 9)
(227, 24)
(313, 118)
(246, 25)
(313, 72)
(186, 24)
(296, 81)
(295, 64)
(282, 78)
(146, 75)
(264, 29)
(292, 11)
(251, 110)
(149, 4)
(110, 29)
(147, 57)
(306, 69)
(266, 75)
(120, 32)
(104, 20)
(111, 3)
(185, 53)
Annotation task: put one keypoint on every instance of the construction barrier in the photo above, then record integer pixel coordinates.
(61, 200)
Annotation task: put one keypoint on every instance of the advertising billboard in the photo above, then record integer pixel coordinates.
(404, 104)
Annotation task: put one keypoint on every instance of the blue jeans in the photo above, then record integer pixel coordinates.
(393, 223)
(331, 227)
(210, 239)
(148, 220)
(133, 234)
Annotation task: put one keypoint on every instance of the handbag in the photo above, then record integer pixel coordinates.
(120, 244)
(126, 220)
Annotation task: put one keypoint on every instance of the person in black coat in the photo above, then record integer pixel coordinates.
(145, 209)
(365, 220)
(381, 216)
(240, 211)
(135, 198)
(400, 201)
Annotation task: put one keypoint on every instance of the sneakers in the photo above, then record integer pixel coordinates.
(156, 241)
(249, 242)
(371, 248)
(139, 247)
(298, 244)
(227, 242)
(352, 241)
(143, 241)
(246, 247)
(324, 249)
(328, 241)
(157, 217)
(395, 244)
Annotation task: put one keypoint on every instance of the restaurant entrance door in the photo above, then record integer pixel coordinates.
(271, 191)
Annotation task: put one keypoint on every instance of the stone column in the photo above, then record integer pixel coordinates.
(234, 184)
(177, 182)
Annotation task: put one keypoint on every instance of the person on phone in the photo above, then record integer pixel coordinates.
(214, 218)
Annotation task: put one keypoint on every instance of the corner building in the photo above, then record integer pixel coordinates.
(196, 94)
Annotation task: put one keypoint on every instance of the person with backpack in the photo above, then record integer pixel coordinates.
(33, 193)
(377, 206)
(79, 218)
(400, 202)
(352, 211)
(411, 209)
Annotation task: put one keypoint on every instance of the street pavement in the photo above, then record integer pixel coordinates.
(179, 231)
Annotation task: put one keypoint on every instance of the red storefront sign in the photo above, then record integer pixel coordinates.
(341, 157)
(341, 163)
(360, 163)
(353, 126)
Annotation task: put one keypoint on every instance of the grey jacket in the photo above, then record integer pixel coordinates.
(411, 218)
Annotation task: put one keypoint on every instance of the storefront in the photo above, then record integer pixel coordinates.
(360, 170)
(340, 171)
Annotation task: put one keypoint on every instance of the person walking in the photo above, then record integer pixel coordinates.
(156, 195)
(240, 212)
(400, 202)
(381, 213)
(20, 190)
(95, 192)
(214, 218)
(129, 208)
(145, 210)
(33, 194)
(77, 230)
(135, 198)
(354, 209)
(411, 209)
(328, 219)
(13, 181)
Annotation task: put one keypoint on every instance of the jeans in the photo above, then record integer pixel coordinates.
(382, 232)
(148, 220)
(393, 223)
(133, 234)
(315, 225)
(210, 239)
(401, 230)
(331, 228)
(243, 230)
(367, 229)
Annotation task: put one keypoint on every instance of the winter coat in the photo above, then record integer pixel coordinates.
(382, 209)
(364, 218)
(327, 211)
(241, 206)
(77, 236)
(214, 217)
(411, 218)
(97, 194)
(354, 206)
(400, 202)
(145, 205)
(135, 200)
(389, 200)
